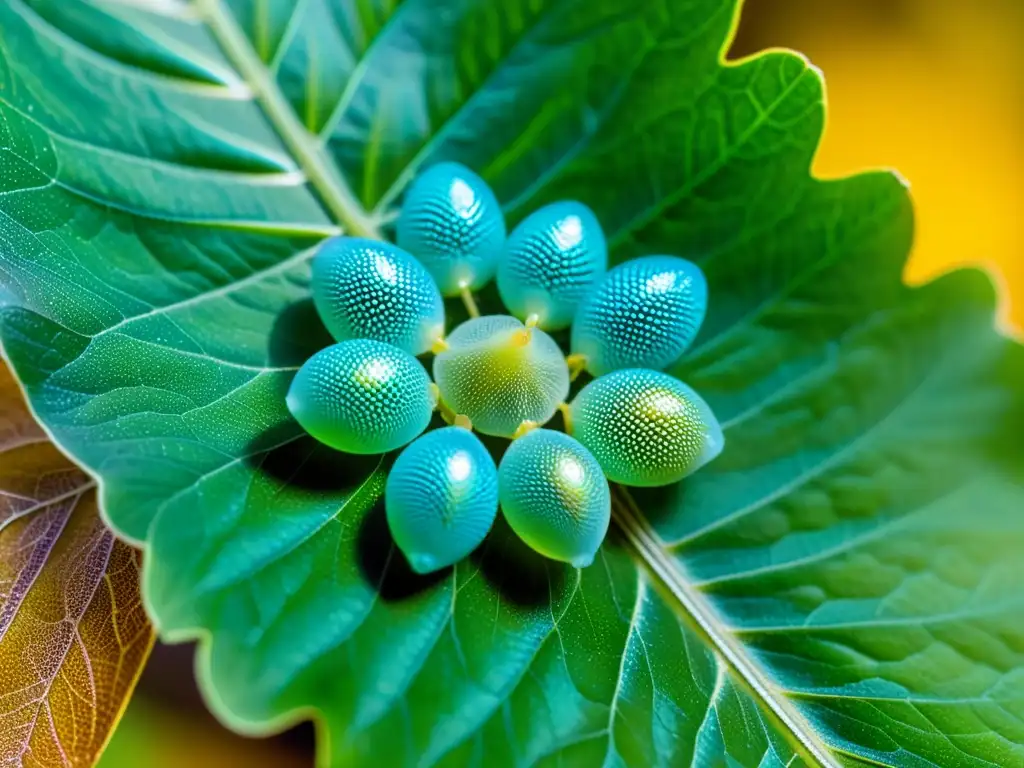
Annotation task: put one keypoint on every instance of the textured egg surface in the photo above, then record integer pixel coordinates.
(452, 222)
(645, 427)
(367, 289)
(499, 374)
(552, 259)
(555, 496)
(441, 498)
(362, 396)
(644, 314)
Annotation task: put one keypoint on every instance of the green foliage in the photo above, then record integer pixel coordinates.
(840, 587)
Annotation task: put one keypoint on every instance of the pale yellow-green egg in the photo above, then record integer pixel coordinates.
(500, 373)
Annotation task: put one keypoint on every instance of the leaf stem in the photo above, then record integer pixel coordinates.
(577, 363)
(653, 553)
(468, 300)
(334, 193)
(566, 410)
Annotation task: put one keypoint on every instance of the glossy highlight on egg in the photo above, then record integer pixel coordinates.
(441, 498)
(551, 261)
(645, 427)
(555, 496)
(452, 222)
(362, 396)
(368, 289)
(644, 313)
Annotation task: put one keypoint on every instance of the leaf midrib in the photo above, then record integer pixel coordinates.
(652, 552)
(341, 203)
(319, 169)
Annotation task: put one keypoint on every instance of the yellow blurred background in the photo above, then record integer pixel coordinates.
(934, 88)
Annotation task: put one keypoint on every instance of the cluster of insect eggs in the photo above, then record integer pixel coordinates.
(503, 375)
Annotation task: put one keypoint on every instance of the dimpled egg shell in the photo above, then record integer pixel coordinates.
(441, 498)
(362, 396)
(452, 222)
(555, 496)
(645, 427)
(500, 374)
(367, 289)
(644, 314)
(552, 259)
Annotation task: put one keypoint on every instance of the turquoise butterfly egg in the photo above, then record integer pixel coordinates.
(644, 314)
(645, 427)
(551, 261)
(452, 222)
(555, 496)
(362, 396)
(500, 373)
(441, 498)
(366, 289)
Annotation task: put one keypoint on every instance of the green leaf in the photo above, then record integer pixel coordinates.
(840, 587)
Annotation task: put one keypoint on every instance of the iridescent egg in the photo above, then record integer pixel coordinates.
(644, 314)
(362, 396)
(441, 498)
(551, 261)
(452, 222)
(367, 289)
(555, 496)
(645, 427)
(500, 373)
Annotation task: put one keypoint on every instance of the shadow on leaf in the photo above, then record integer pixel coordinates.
(290, 456)
(383, 564)
(300, 462)
(285, 453)
(297, 334)
(520, 575)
